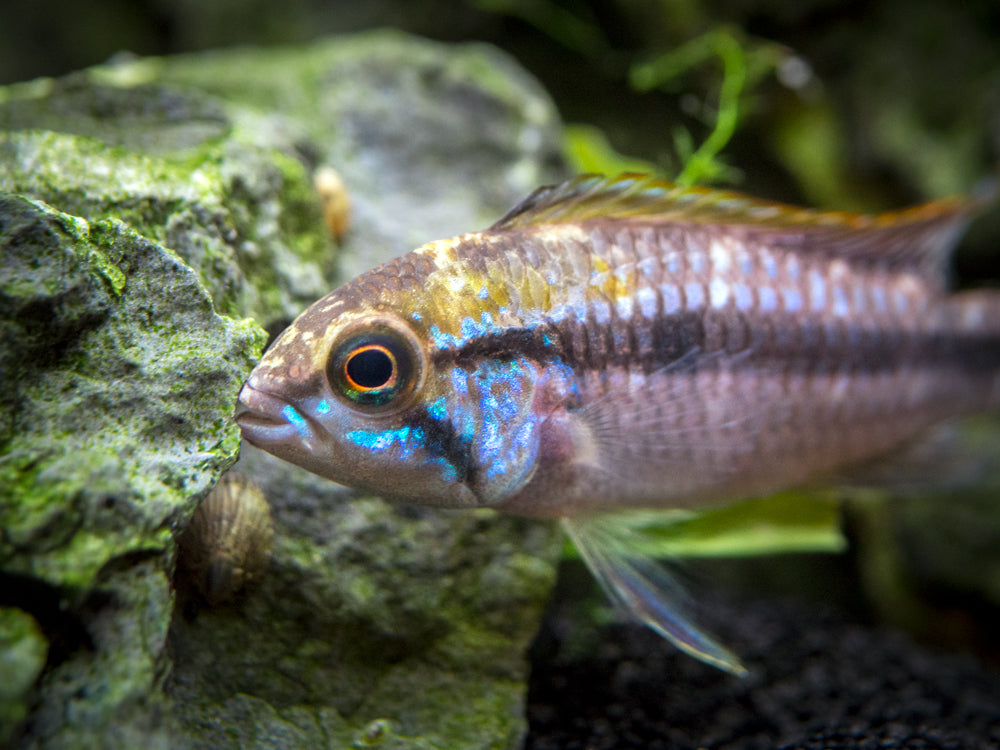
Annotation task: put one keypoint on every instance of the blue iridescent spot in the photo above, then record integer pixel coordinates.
(323, 407)
(841, 307)
(671, 299)
(879, 298)
(647, 302)
(448, 472)
(746, 263)
(901, 300)
(817, 290)
(695, 294)
(768, 299)
(296, 420)
(792, 267)
(770, 266)
(793, 300)
(743, 296)
(469, 328)
(384, 439)
(438, 410)
(442, 340)
(484, 293)
(460, 381)
(718, 292)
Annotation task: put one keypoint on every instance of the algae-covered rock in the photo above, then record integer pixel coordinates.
(23, 648)
(429, 144)
(149, 206)
(241, 214)
(118, 375)
(368, 612)
(119, 378)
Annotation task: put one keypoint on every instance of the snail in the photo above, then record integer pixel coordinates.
(335, 200)
(227, 545)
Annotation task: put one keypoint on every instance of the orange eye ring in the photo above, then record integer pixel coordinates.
(371, 367)
(376, 365)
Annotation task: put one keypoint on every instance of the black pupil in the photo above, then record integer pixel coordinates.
(371, 368)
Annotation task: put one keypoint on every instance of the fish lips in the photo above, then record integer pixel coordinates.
(278, 427)
(268, 421)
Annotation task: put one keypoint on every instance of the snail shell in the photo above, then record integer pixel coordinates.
(335, 200)
(227, 544)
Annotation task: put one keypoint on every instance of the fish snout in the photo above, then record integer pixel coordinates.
(267, 420)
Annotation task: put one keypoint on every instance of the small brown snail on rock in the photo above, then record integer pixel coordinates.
(227, 544)
(335, 200)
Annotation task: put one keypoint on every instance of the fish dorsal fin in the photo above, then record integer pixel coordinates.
(920, 238)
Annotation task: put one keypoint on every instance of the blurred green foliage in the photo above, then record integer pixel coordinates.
(783, 523)
(744, 63)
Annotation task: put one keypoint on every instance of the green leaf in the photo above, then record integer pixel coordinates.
(588, 150)
(783, 523)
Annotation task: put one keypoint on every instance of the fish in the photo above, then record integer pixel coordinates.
(625, 343)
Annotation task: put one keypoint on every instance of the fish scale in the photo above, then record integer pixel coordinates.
(800, 339)
(618, 344)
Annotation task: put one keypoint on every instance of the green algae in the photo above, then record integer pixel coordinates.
(141, 355)
(197, 203)
(23, 650)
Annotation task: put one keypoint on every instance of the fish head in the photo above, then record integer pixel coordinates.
(369, 391)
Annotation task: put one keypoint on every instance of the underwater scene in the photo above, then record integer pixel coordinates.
(493, 374)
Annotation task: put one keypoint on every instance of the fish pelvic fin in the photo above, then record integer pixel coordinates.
(919, 238)
(644, 589)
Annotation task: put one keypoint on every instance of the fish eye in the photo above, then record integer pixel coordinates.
(370, 367)
(373, 368)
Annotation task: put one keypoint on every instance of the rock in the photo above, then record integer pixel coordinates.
(242, 215)
(107, 692)
(119, 383)
(368, 612)
(151, 205)
(429, 144)
(23, 649)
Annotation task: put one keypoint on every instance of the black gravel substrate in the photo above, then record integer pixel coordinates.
(818, 680)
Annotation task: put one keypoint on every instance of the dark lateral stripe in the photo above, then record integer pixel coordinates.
(444, 441)
(586, 345)
(534, 343)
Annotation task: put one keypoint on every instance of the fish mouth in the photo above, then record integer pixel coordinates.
(267, 420)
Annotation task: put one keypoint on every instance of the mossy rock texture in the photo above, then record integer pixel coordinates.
(155, 216)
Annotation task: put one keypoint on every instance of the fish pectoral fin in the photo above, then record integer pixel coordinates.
(643, 588)
(667, 425)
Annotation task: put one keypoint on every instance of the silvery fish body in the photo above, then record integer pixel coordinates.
(625, 343)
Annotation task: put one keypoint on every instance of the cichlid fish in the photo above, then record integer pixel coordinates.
(625, 343)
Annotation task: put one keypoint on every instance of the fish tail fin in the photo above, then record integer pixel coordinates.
(640, 586)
